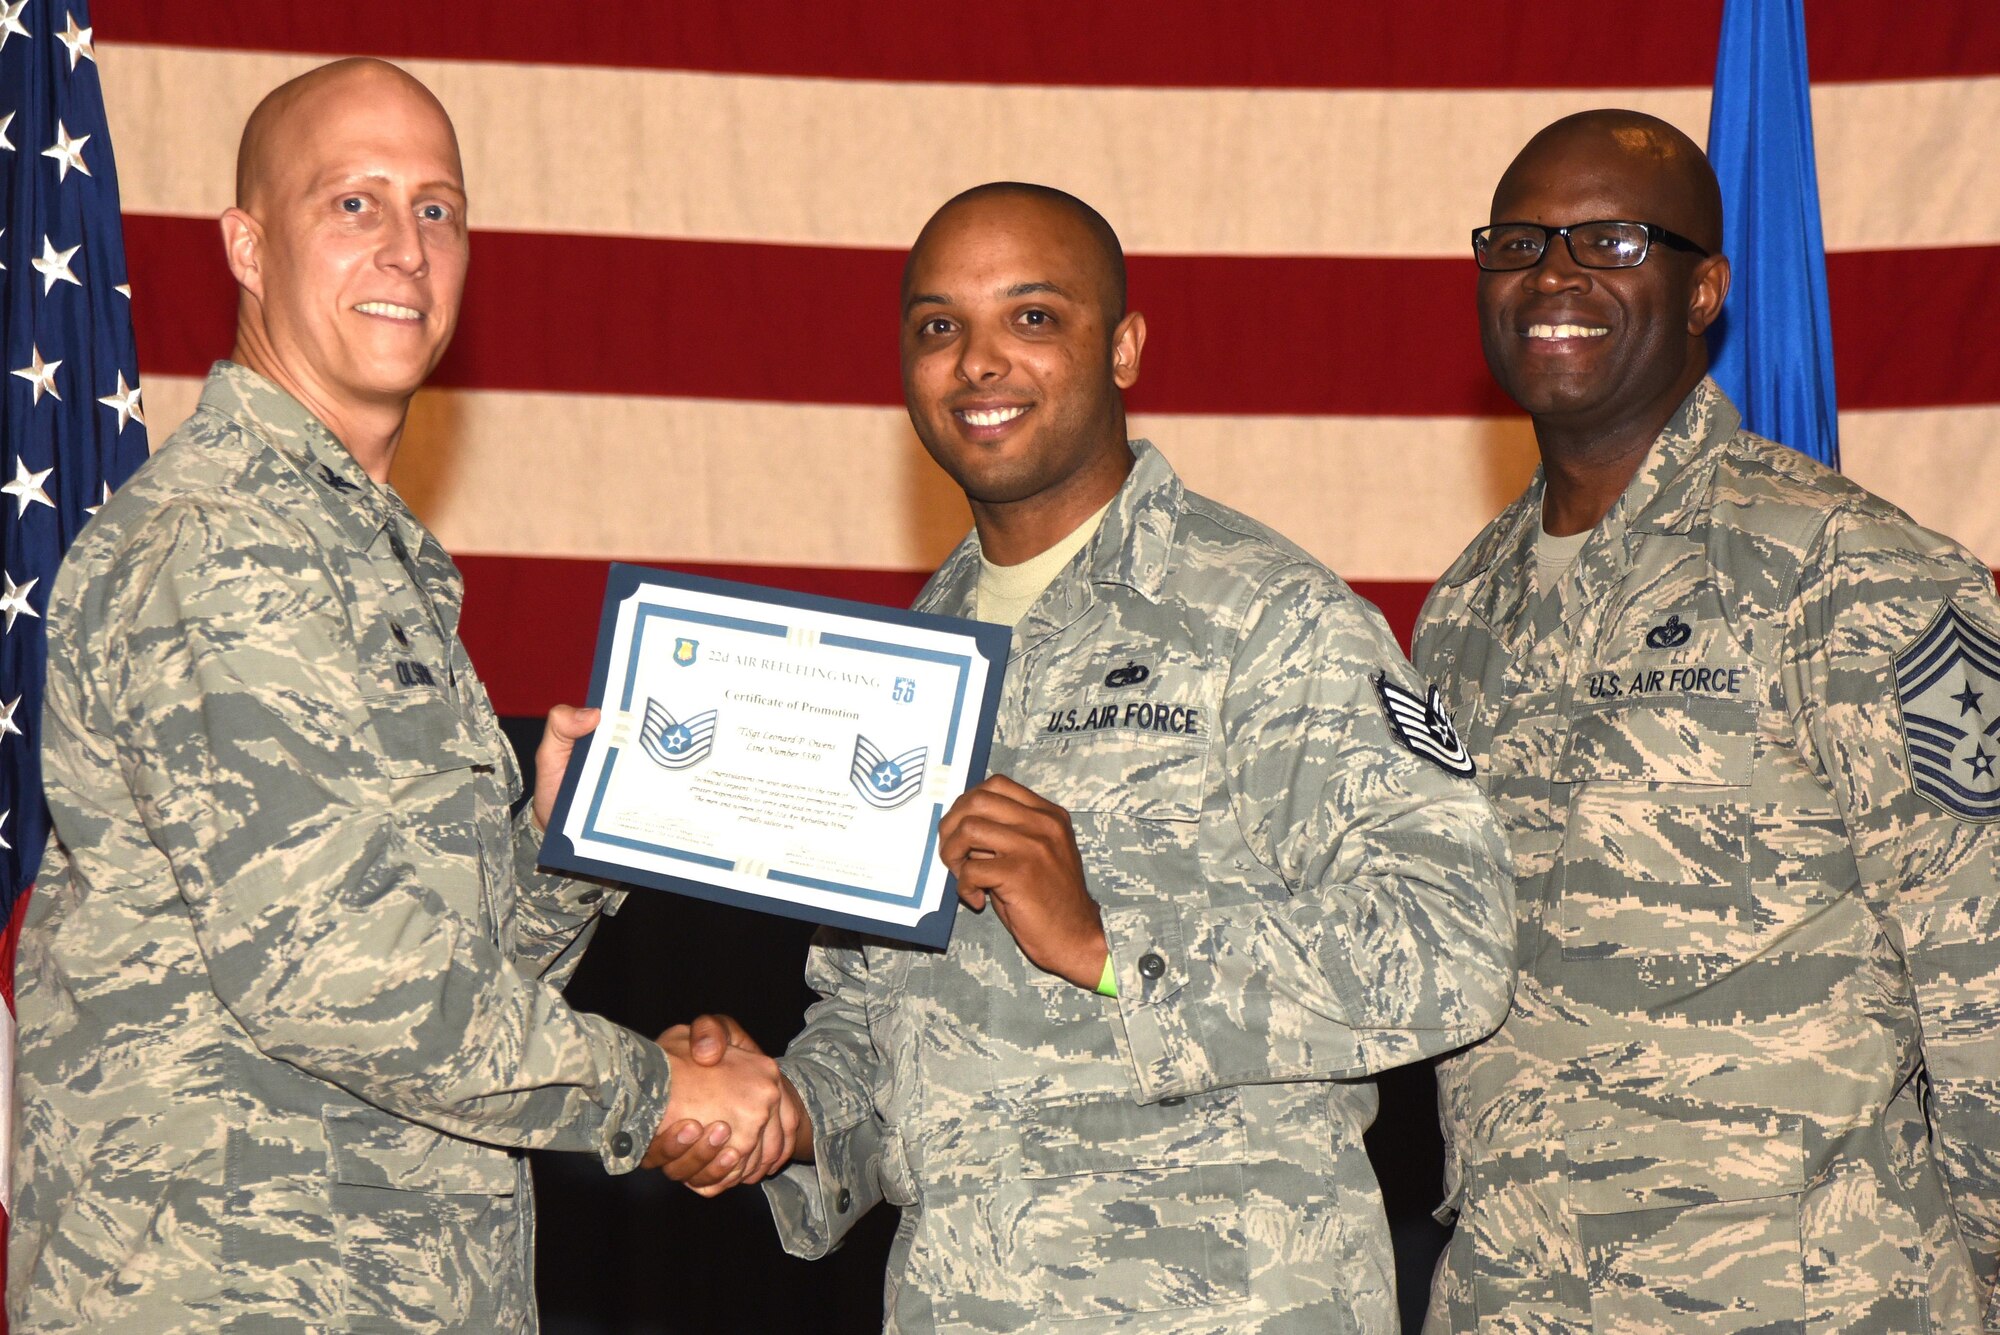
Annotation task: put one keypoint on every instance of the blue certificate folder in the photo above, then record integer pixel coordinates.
(657, 797)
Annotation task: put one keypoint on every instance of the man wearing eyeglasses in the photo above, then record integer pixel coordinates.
(1740, 718)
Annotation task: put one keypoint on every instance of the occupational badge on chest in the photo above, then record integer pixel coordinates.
(1948, 684)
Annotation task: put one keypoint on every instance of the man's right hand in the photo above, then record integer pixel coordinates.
(732, 1117)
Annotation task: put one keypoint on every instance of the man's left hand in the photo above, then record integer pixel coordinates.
(567, 726)
(1015, 849)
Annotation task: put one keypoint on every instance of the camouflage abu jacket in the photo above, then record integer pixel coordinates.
(1293, 898)
(287, 985)
(1751, 1075)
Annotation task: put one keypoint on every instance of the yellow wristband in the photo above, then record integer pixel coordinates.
(1107, 986)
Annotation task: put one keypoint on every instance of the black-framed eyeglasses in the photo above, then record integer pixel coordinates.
(1604, 244)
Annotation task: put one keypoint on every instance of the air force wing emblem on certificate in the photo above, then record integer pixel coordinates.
(676, 743)
(1948, 683)
(1424, 727)
(886, 781)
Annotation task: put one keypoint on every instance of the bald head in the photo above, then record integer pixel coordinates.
(349, 246)
(1648, 158)
(1087, 237)
(277, 135)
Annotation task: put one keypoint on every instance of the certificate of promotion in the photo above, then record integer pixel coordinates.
(778, 751)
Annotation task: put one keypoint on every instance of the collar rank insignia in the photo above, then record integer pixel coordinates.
(1424, 727)
(886, 781)
(1948, 683)
(676, 743)
(335, 480)
(1669, 634)
(1129, 675)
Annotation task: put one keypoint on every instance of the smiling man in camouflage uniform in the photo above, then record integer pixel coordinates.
(1235, 861)
(1740, 719)
(288, 983)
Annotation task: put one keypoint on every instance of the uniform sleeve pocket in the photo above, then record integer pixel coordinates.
(1678, 1217)
(1132, 1208)
(367, 1148)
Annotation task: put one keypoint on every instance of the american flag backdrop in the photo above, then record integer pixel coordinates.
(679, 339)
(71, 423)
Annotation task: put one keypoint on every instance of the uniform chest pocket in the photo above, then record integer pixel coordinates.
(1141, 776)
(1131, 1208)
(1676, 1218)
(1134, 801)
(1655, 858)
(416, 731)
(425, 1224)
(449, 808)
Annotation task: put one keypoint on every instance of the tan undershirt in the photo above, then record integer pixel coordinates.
(1554, 556)
(1007, 592)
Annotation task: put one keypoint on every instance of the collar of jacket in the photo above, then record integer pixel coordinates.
(1133, 546)
(358, 506)
(1668, 492)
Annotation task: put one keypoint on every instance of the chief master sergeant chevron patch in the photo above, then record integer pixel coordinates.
(1948, 684)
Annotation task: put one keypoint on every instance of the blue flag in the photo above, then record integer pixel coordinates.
(1773, 347)
(71, 427)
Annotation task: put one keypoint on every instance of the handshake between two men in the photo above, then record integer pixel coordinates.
(733, 1117)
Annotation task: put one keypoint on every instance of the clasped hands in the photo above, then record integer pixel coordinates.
(733, 1118)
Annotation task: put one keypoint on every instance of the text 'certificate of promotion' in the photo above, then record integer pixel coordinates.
(778, 751)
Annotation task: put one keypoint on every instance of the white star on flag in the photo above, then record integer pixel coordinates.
(125, 403)
(10, 21)
(14, 600)
(93, 509)
(67, 152)
(3, 232)
(3, 824)
(7, 723)
(5, 142)
(53, 266)
(77, 40)
(124, 290)
(26, 488)
(42, 373)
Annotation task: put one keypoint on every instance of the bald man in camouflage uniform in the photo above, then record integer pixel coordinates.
(288, 986)
(1209, 787)
(1744, 749)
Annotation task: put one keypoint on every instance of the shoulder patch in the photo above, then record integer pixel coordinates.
(1424, 727)
(1948, 685)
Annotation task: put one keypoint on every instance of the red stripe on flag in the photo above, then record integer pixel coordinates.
(531, 623)
(10, 941)
(1303, 336)
(1156, 43)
